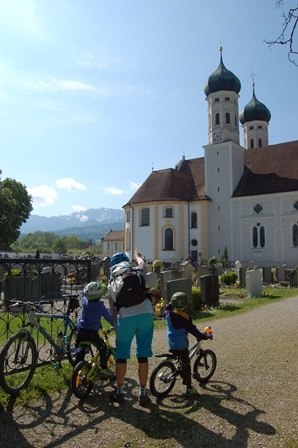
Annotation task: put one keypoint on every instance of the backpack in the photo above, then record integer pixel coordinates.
(133, 290)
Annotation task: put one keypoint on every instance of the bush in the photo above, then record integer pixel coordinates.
(196, 297)
(229, 278)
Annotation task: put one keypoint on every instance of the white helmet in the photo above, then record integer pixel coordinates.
(120, 268)
(93, 291)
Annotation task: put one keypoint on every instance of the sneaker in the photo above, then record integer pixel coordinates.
(119, 397)
(191, 391)
(144, 399)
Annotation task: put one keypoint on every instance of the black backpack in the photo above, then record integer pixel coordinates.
(133, 290)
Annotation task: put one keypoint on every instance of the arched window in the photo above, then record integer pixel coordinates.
(169, 239)
(193, 220)
(258, 236)
(295, 235)
(260, 143)
(252, 145)
(145, 217)
(228, 118)
(217, 120)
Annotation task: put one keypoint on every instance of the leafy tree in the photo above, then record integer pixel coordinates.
(15, 209)
(287, 35)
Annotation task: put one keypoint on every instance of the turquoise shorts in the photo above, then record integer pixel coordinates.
(141, 327)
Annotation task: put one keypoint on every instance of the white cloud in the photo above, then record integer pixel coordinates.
(134, 186)
(69, 184)
(43, 195)
(114, 191)
(20, 15)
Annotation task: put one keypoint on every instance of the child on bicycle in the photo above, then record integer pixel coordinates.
(179, 324)
(89, 324)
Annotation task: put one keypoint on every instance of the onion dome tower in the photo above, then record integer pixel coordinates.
(255, 118)
(222, 91)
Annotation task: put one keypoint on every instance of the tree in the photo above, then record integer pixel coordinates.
(15, 209)
(287, 35)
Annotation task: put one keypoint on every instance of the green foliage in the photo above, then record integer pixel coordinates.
(229, 278)
(48, 242)
(196, 297)
(15, 208)
(212, 261)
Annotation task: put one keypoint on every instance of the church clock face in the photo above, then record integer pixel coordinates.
(217, 136)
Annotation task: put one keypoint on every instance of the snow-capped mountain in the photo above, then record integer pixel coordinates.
(88, 218)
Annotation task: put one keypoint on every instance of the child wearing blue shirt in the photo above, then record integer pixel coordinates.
(89, 324)
(179, 324)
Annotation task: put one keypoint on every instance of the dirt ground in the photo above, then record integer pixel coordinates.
(251, 401)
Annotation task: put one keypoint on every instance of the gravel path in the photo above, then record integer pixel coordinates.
(250, 402)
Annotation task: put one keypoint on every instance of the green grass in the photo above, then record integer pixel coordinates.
(47, 379)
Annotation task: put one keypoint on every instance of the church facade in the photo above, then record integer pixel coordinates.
(237, 202)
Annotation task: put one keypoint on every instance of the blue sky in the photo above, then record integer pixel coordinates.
(96, 93)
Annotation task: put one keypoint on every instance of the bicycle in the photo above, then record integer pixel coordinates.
(19, 356)
(87, 373)
(164, 376)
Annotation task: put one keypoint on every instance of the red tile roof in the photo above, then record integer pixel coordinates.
(272, 169)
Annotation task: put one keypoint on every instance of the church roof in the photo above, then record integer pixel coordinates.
(222, 79)
(271, 169)
(254, 110)
(184, 183)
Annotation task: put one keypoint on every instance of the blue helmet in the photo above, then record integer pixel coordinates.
(117, 258)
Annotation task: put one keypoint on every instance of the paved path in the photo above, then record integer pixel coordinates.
(250, 402)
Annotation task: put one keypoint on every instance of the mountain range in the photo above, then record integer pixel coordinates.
(91, 224)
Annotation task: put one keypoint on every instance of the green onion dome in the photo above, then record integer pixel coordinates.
(254, 110)
(222, 79)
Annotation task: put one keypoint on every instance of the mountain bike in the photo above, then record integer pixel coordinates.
(87, 373)
(164, 376)
(19, 356)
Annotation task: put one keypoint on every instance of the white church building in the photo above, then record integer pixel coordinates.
(241, 201)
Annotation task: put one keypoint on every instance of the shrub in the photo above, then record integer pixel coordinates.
(196, 297)
(229, 278)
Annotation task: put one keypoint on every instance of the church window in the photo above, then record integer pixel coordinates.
(258, 236)
(235, 120)
(168, 212)
(228, 118)
(169, 239)
(260, 127)
(145, 217)
(251, 128)
(258, 208)
(193, 220)
(217, 121)
(216, 100)
(252, 145)
(260, 143)
(227, 98)
(295, 235)
(296, 205)
(194, 242)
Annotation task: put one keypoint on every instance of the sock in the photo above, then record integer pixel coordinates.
(142, 391)
(119, 390)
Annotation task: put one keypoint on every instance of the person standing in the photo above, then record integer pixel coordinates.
(133, 314)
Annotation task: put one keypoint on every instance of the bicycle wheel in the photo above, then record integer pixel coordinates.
(80, 386)
(18, 360)
(204, 366)
(163, 379)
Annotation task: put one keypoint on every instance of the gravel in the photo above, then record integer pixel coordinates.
(250, 402)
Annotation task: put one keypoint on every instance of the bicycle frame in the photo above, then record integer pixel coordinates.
(33, 322)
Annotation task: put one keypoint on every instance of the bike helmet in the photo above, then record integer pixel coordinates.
(117, 258)
(120, 268)
(179, 301)
(93, 291)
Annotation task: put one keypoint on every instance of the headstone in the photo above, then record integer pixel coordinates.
(242, 277)
(165, 276)
(267, 275)
(254, 283)
(151, 279)
(280, 274)
(180, 285)
(209, 289)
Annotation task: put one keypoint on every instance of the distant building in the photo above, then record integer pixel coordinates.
(112, 242)
(236, 200)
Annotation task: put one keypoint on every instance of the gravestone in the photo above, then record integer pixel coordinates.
(180, 285)
(166, 276)
(254, 283)
(151, 279)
